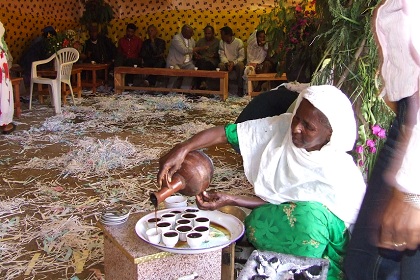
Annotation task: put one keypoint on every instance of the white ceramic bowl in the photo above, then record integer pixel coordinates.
(175, 201)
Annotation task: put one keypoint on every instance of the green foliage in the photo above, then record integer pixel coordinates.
(97, 12)
(353, 66)
(291, 28)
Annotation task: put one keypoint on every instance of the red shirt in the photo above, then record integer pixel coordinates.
(130, 47)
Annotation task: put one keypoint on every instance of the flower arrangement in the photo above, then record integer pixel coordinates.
(291, 27)
(62, 40)
(367, 147)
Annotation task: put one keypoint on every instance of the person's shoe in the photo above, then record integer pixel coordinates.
(9, 128)
(240, 92)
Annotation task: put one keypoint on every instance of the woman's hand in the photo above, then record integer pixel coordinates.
(213, 200)
(171, 162)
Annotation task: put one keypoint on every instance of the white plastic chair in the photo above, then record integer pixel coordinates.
(63, 64)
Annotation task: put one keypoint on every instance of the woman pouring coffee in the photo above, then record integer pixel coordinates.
(308, 189)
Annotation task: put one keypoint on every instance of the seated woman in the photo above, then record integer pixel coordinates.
(308, 189)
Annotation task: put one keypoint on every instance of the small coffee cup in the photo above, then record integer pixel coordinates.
(154, 235)
(135, 65)
(205, 231)
(151, 223)
(183, 230)
(195, 239)
(202, 221)
(93, 62)
(189, 216)
(195, 68)
(169, 217)
(184, 222)
(170, 238)
(177, 213)
(171, 67)
(217, 69)
(164, 226)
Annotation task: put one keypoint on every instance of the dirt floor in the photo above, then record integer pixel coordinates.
(59, 173)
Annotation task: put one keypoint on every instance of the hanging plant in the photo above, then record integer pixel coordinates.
(97, 12)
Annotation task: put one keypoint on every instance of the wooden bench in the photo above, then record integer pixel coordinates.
(262, 77)
(16, 95)
(91, 78)
(120, 72)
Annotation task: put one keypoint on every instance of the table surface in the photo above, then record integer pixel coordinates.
(125, 237)
(90, 66)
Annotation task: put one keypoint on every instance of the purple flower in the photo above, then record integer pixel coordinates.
(359, 149)
(370, 143)
(360, 163)
(372, 150)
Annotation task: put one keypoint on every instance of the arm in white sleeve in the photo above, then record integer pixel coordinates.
(407, 177)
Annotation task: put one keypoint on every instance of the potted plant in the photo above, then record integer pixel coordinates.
(291, 29)
(97, 12)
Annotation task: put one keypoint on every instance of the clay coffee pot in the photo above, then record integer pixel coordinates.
(191, 179)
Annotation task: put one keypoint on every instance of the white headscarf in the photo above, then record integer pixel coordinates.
(255, 53)
(281, 172)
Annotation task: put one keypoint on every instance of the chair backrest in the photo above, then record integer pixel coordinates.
(64, 62)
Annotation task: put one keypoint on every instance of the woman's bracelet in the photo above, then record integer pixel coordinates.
(412, 199)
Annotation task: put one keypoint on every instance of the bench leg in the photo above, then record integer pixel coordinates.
(224, 87)
(118, 82)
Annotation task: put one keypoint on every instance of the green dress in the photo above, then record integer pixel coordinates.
(302, 228)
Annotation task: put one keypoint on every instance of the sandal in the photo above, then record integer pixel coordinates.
(10, 130)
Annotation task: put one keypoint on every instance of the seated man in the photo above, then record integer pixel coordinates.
(98, 48)
(38, 50)
(232, 56)
(257, 55)
(128, 51)
(208, 58)
(153, 52)
(181, 54)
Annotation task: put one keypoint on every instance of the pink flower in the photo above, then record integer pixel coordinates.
(360, 163)
(359, 149)
(382, 134)
(370, 143)
(376, 129)
(372, 150)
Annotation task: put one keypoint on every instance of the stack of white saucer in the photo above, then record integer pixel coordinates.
(114, 217)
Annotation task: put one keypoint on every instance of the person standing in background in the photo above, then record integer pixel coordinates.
(232, 56)
(6, 88)
(386, 237)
